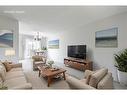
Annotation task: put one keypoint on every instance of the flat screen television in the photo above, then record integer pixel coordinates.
(77, 51)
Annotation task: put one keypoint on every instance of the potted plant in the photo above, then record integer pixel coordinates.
(50, 63)
(121, 65)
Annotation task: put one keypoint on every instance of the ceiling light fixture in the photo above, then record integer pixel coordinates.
(37, 37)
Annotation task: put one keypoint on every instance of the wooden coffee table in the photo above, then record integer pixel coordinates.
(50, 74)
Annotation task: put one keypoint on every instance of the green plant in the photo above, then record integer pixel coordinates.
(43, 48)
(121, 61)
(50, 63)
(3, 87)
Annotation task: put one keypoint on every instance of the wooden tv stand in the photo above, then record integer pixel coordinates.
(80, 64)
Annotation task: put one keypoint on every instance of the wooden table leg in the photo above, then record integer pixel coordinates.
(64, 76)
(49, 81)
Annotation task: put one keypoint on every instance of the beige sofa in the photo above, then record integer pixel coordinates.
(13, 79)
(100, 79)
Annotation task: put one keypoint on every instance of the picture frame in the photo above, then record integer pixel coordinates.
(53, 44)
(107, 38)
(6, 38)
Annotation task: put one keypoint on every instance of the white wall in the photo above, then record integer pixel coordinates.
(10, 24)
(101, 57)
(22, 44)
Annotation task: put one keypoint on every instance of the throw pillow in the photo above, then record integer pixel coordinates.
(7, 66)
(88, 74)
(38, 58)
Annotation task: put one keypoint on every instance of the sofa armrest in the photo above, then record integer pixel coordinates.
(23, 86)
(77, 84)
(16, 65)
(106, 82)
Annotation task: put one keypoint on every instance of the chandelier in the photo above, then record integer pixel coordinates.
(37, 37)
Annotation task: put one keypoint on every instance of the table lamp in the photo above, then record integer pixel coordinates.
(9, 53)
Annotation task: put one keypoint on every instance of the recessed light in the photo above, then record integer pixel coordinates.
(13, 12)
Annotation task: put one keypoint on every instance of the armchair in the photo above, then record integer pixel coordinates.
(100, 79)
(38, 60)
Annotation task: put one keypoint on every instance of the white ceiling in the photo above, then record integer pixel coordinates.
(52, 19)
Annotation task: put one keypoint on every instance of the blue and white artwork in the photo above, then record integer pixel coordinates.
(106, 38)
(6, 39)
(53, 44)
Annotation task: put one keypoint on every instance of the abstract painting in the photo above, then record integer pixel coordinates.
(6, 38)
(106, 38)
(53, 44)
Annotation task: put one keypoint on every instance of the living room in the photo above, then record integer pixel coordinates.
(50, 31)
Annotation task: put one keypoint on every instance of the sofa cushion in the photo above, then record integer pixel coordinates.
(96, 77)
(22, 86)
(37, 58)
(38, 62)
(75, 83)
(15, 69)
(7, 66)
(15, 74)
(83, 80)
(15, 82)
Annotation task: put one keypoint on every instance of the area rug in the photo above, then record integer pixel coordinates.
(41, 83)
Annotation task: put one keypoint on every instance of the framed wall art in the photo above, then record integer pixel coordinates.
(53, 44)
(107, 38)
(6, 38)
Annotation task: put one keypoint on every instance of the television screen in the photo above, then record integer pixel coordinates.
(77, 51)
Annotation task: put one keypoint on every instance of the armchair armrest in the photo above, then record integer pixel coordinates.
(16, 65)
(44, 59)
(23, 86)
(88, 72)
(77, 84)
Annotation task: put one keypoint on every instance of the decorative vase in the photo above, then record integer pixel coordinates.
(122, 77)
